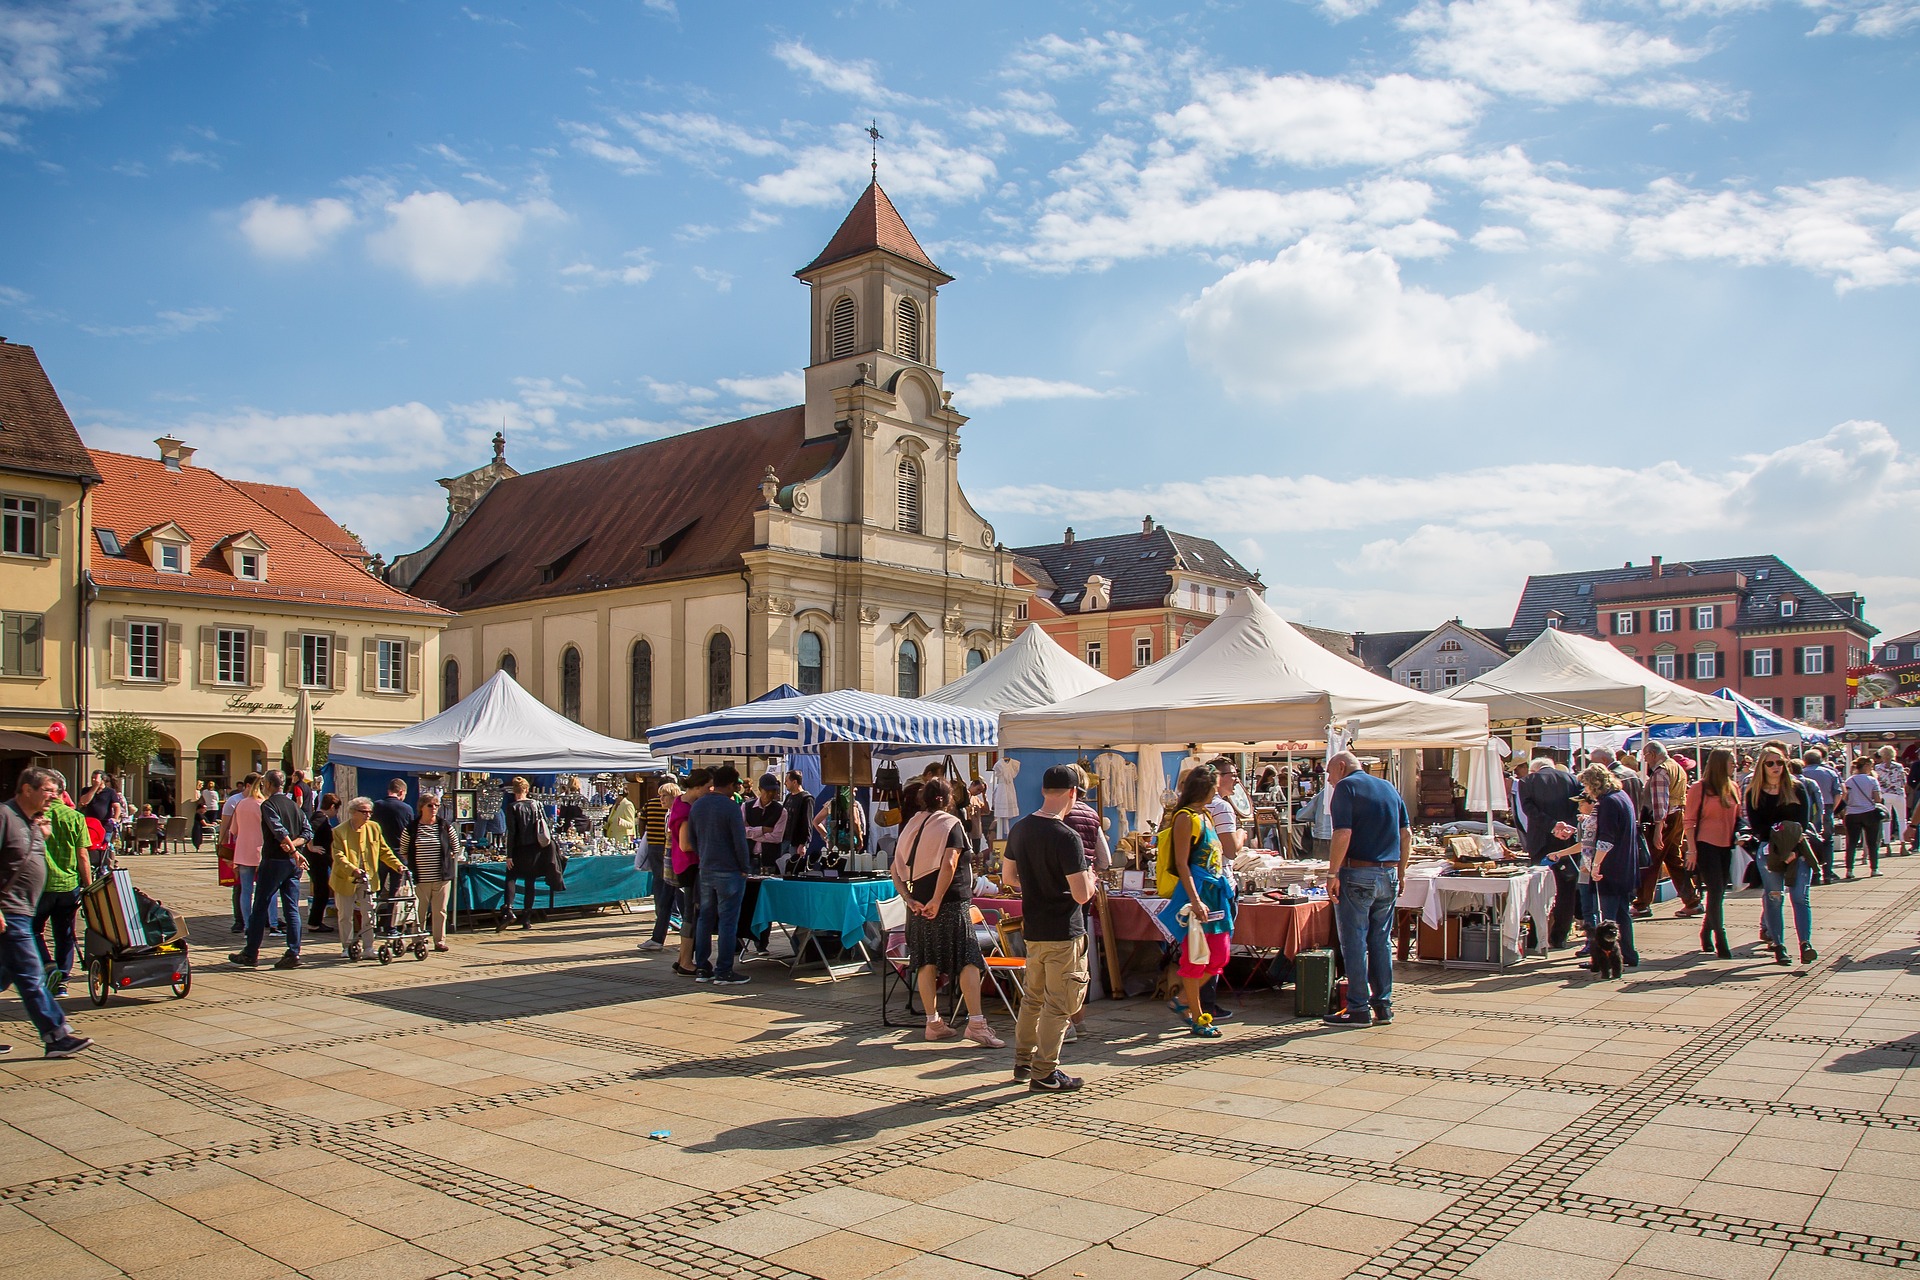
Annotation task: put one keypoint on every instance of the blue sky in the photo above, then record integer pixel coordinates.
(1399, 299)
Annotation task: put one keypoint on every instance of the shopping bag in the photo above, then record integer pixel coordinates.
(1198, 953)
(229, 874)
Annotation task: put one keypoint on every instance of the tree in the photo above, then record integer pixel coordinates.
(320, 740)
(124, 740)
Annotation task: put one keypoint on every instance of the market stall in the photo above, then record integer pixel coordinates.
(1481, 918)
(1742, 721)
(1567, 679)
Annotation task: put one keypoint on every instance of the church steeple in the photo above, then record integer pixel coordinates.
(873, 224)
(874, 291)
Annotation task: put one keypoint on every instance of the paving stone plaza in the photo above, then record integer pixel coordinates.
(490, 1112)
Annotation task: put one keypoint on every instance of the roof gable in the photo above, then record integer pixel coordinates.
(36, 435)
(873, 223)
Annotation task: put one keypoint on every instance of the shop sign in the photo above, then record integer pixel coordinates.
(240, 704)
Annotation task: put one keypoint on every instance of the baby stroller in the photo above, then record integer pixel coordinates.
(132, 941)
(398, 928)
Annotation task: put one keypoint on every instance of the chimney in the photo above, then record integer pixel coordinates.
(1069, 538)
(1146, 526)
(174, 453)
(1655, 562)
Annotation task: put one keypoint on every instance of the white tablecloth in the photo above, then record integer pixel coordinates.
(1424, 888)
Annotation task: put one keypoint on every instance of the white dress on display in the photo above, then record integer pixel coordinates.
(1001, 797)
(1119, 786)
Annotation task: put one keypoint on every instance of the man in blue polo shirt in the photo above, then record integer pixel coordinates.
(1372, 840)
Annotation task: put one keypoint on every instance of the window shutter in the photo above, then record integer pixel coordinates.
(50, 526)
(1799, 661)
(1746, 662)
(413, 666)
(1693, 666)
(1777, 668)
(337, 658)
(1640, 622)
(33, 634)
(117, 649)
(1828, 650)
(1686, 616)
(1826, 708)
(290, 674)
(173, 653)
(369, 664)
(1719, 665)
(209, 656)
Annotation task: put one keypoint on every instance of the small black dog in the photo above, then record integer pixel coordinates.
(1605, 961)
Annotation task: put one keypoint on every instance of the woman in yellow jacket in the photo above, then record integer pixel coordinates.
(623, 822)
(359, 850)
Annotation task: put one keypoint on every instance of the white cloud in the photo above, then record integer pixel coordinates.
(1836, 228)
(696, 136)
(594, 140)
(166, 324)
(1314, 122)
(991, 390)
(858, 78)
(50, 53)
(775, 391)
(920, 164)
(1320, 318)
(1564, 213)
(639, 269)
(293, 231)
(441, 240)
(1022, 111)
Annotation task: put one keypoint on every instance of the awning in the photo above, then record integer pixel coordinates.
(38, 744)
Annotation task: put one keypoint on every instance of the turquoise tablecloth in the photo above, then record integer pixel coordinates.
(825, 906)
(591, 881)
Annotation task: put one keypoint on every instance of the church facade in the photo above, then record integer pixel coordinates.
(827, 545)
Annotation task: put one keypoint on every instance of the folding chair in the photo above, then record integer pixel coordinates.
(1005, 968)
(178, 834)
(894, 973)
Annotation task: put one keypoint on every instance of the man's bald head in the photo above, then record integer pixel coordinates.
(1342, 764)
(1601, 755)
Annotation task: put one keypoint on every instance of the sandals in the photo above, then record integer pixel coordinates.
(1202, 1027)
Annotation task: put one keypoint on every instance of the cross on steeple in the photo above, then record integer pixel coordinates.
(873, 137)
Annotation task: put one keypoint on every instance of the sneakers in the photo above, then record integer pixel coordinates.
(1221, 1015)
(287, 961)
(1022, 1074)
(651, 945)
(1071, 1034)
(1058, 1082)
(729, 979)
(939, 1030)
(703, 975)
(1383, 1017)
(244, 960)
(68, 1046)
(980, 1033)
(5, 1049)
(1347, 1020)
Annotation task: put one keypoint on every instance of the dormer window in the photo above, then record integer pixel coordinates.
(1786, 608)
(170, 557)
(248, 565)
(246, 555)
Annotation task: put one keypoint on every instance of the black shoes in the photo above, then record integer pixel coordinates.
(1780, 956)
(244, 960)
(1058, 1082)
(68, 1047)
(1347, 1020)
(731, 980)
(287, 961)
(1022, 1074)
(1807, 954)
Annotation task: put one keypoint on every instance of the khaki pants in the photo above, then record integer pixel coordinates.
(345, 904)
(433, 896)
(1052, 991)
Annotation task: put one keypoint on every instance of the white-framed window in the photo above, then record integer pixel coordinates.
(21, 636)
(1665, 665)
(248, 563)
(172, 557)
(19, 525)
(1096, 655)
(231, 649)
(1664, 620)
(1706, 617)
(1891, 653)
(1623, 623)
(1813, 660)
(1786, 608)
(1706, 665)
(391, 674)
(1416, 679)
(316, 662)
(1553, 624)
(1763, 662)
(1450, 677)
(1143, 652)
(1765, 704)
(146, 643)
(1814, 707)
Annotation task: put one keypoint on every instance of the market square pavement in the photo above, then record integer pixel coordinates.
(487, 1113)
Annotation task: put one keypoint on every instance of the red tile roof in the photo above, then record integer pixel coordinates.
(592, 525)
(136, 494)
(300, 510)
(36, 435)
(873, 223)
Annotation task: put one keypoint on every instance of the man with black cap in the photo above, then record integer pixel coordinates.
(1047, 863)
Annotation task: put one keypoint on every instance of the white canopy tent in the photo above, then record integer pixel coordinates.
(1249, 678)
(1033, 671)
(498, 728)
(1562, 679)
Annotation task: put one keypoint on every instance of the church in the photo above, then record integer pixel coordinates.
(827, 545)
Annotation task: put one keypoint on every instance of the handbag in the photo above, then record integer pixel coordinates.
(542, 833)
(229, 873)
(1197, 950)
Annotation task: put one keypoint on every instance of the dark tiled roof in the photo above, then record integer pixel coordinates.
(873, 223)
(1761, 606)
(595, 524)
(1139, 565)
(1911, 637)
(36, 434)
(1377, 649)
(1338, 643)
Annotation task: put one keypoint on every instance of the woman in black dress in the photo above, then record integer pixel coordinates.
(527, 859)
(932, 870)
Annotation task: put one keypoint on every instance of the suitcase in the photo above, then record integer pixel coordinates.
(1313, 984)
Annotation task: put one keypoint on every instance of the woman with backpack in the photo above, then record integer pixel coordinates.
(1775, 797)
(1190, 872)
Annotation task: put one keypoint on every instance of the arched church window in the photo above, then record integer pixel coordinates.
(909, 495)
(907, 329)
(812, 656)
(841, 326)
(510, 665)
(640, 690)
(449, 684)
(719, 672)
(976, 658)
(570, 683)
(908, 679)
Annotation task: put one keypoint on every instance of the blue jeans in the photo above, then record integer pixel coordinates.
(20, 967)
(243, 893)
(1364, 916)
(720, 895)
(1617, 906)
(664, 895)
(1589, 908)
(274, 877)
(1793, 883)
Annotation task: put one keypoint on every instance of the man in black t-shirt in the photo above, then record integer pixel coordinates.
(1046, 861)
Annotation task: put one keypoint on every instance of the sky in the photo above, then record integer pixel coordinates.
(1399, 300)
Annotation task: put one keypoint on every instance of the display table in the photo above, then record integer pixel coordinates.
(1276, 928)
(1510, 899)
(802, 909)
(592, 881)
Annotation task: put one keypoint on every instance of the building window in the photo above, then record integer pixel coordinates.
(20, 644)
(1623, 624)
(173, 558)
(1663, 620)
(1553, 624)
(1891, 653)
(390, 666)
(20, 525)
(316, 662)
(570, 683)
(907, 670)
(909, 480)
(1450, 677)
(231, 649)
(1096, 655)
(249, 562)
(144, 642)
(449, 684)
(719, 672)
(841, 328)
(1143, 652)
(1706, 666)
(1762, 660)
(1786, 608)
(1813, 660)
(1020, 612)
(510, 665)
(640, 689)
(1416, 679)
(1813, 708)
(1706, 618)
(976, 658)
(812, 655)
(1665, 665)
(1765, 704)
(907, 329)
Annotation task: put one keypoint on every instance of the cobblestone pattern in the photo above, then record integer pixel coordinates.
(1851, 1246)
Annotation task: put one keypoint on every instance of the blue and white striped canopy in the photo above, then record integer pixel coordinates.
(1751, 722)
(780, 726)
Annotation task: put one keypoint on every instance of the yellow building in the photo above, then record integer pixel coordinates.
(218, 601)
(827, 545)
(45, 476)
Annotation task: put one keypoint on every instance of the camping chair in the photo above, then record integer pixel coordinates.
(178, 835)
(1005, 967)
(894, 973)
